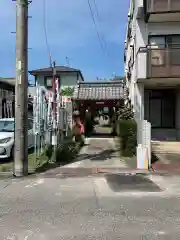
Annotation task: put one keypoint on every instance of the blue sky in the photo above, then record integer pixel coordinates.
(71, 34)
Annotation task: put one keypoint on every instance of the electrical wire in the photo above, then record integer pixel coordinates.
(96, 8)
(99, 19)
(45, 32)
(96, 28)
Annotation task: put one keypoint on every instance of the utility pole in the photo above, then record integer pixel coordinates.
(21, 89)
(54, 135)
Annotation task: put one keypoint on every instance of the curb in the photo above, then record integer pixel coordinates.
(9, 174)
(6, 174)
(95, 171)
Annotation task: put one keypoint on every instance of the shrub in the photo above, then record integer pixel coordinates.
(65, 152)
(49, 151)
(128, 137)
(125, 112)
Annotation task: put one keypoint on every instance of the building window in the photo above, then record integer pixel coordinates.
(168, 50)
(48, 82)
(173, 42)
(157, 56)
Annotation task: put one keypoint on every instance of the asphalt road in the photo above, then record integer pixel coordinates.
(99, 207)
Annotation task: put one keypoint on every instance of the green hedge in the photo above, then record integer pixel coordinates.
(128, 137)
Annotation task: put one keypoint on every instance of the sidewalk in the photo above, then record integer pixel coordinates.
(101, 156)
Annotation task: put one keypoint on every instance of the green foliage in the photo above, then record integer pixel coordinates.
(66, 151)
(68, 91)
(128, 137)
(80, 139)
(125, 112)
(126, 128)
(49, 151)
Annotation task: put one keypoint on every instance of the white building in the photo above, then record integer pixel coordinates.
(152, 64)
(69, 77)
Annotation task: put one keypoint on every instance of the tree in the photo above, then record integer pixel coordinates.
(125, 112)
(68, 91)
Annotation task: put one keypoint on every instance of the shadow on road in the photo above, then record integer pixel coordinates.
(101, 156)
(101, 135)
(129, 183)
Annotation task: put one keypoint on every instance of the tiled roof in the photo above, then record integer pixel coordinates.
(99, 91)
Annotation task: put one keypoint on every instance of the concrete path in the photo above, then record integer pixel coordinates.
(99, 153)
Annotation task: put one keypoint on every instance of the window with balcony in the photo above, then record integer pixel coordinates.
(158, 6)
(165, 50)
(157, 55)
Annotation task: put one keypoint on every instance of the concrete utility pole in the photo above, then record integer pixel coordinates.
(21, 98)
(54, 135)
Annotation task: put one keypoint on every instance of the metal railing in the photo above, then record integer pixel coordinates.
(163, 62)
(158, 6)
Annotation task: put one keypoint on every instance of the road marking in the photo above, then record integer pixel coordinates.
(30, 233)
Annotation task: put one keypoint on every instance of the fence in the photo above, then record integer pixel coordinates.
(46, 119)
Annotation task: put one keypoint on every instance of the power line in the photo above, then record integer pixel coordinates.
(45, 32)
(96, 28)
(96, 8)
(99, 19)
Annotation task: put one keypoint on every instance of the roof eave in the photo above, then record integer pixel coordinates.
(45, 73)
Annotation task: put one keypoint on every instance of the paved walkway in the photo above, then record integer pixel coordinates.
(168, 153)
(99, 153)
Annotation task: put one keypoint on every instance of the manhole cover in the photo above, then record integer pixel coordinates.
(129, 183)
